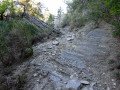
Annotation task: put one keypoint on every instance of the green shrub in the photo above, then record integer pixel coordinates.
(3, 44)
(66, 20)
(114, 6)
(96, 9)
(23, 30)
(116, 74)
(27, 53)
(114, 11)
(107, 16)
(16, 29)
(80, 21)
(108, 10)
(114, 66)
(116, 30)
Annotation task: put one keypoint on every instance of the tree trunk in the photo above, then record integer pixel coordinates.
(25, 8)
(1, 16)
(23, 12)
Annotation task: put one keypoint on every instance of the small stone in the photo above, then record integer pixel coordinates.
(113, 80)
(103, 74)
(69, 39)
(65, 82)
(108, 88)
(69, 36)
(55, 43)
(49, 47)
(57, 38)
(38, 80)
(53, 54)
(39, 64)
(44, 50)
(55, 66)
(35, 75)
(84, 82)
(114, 84)
(71, 77)
(49, 53)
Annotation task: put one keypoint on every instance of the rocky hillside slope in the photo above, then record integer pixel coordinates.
(77, 60)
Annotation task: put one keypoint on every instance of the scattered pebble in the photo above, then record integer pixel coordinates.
(108, 88)
(113, 80)
(35, 75)
(38, 80)
(55, 43)
(114, 84)
(49, 47)
(69, 39)
(65, 82)
(53, 54)
(44, 50)
(84, 82)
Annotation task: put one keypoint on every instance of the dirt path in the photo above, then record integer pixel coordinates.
(75, 61)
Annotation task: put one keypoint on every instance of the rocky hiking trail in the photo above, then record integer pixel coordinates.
(75, 61)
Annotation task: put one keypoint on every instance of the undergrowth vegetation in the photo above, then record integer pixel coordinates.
(114, 66)
(18, 31)
(82, 11)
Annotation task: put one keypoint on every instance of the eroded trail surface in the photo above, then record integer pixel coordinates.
(74, 61)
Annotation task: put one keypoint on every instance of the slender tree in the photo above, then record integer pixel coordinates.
(60, 11)
(24, 3)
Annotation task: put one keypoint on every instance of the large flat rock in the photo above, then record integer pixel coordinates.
(71, 59)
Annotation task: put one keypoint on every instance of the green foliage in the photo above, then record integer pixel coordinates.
(116, 30)
(4, 6)
(60, 11)
(116, 74)
(28, 52)
(7, 5)
(50, 19)
(23, 31)
(96, 9)
(66, 20)
(21, 79)
(114, 66)
(114, 10)
(93, 9)
(3, 47)
(114, 6)
(3, 44)
(4, 28)
(80, 21)
(28, 7)
(12, 7)
(107, 16)
(35, 11)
